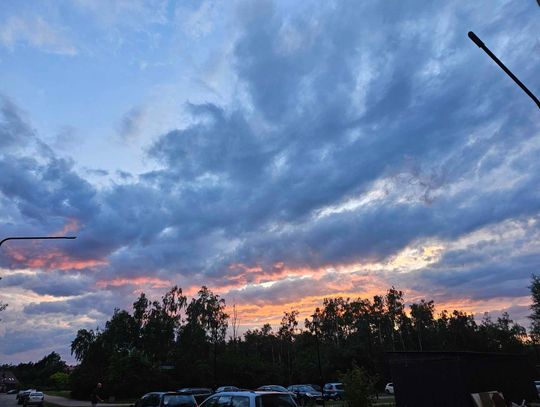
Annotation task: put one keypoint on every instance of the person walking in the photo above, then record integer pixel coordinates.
(95, 396)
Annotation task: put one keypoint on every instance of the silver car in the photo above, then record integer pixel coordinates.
(249, 399)
(35, 398)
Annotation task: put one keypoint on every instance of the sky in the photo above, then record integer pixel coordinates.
(277, 152)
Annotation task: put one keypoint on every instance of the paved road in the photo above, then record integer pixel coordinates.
(8, 400)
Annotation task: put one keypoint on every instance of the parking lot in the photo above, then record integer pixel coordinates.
(8, 400)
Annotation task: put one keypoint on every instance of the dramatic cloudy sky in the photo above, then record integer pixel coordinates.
(275, 151)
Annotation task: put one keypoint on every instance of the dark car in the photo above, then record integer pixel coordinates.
(200, 393)
(333, 391)
(305, 394)
(276, 388)
(166, 399)
(12, 391)
(273, 387)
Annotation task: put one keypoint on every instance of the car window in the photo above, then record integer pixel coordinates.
(240, 401)
(339, 386)
(146, 400)
(224, 401)
(151, 400)
(274, 400)
(177, 400)
(211, 402)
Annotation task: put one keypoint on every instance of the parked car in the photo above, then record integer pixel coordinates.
(305, 394)
(35, 398)
(200, 393)
(389, 388)
(23, 394)
(227, 388)
(333, 391)
(537, 384)
(276, 388)
(166, 399)
(12, 391)
(273, 387)
(249, 399)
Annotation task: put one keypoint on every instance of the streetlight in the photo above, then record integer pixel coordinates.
(321, 381)
(36, 238)
(480, 44)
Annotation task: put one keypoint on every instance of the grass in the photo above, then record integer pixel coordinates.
(61, 393)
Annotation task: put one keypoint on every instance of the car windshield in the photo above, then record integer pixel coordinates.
(307, 389)
(178, 400)
(274, 400)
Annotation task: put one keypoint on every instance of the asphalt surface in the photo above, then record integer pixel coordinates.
(9, 400)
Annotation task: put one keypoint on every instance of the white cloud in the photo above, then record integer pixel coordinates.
(36, 33)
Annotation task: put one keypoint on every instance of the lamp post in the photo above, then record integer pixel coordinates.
(474, 38)
(36, 238)
(321, 381)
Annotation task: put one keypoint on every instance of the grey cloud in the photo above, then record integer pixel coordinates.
(57, 284)
(130, 126)
(15, 131)
(17, 341)
(340, 99)
(102, 302)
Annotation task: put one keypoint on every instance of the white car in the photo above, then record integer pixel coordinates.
(249, 399)
(389, 388)
(35, 398)
(537, 384)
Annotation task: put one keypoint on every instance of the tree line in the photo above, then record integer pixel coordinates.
(48, 373)
(174, 343)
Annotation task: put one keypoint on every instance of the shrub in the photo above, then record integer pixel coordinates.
(359, 387)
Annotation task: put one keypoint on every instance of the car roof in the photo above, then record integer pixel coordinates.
(247, 393)
(206, 389)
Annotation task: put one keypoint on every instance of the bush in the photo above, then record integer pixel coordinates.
(359, 387)
(60, 380)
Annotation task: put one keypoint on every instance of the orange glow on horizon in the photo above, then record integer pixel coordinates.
(153, 282)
